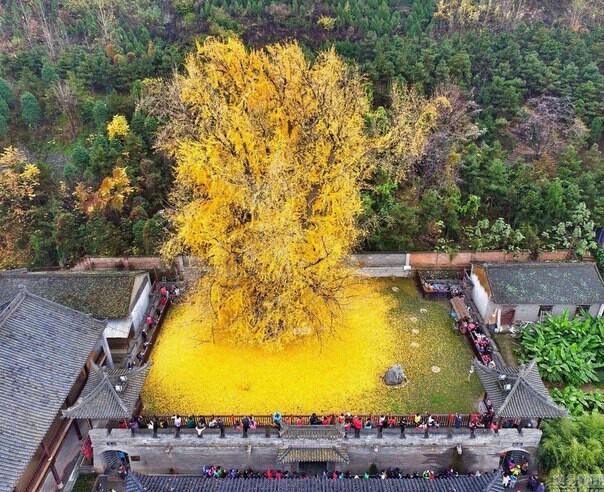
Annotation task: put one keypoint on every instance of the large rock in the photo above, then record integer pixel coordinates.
(394, 376)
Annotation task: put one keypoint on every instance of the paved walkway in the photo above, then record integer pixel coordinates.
(109, 482)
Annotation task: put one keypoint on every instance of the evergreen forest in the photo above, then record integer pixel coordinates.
(515, 162)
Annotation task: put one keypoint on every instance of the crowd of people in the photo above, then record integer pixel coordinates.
(213, 471)
(512, 471)
(349, 422)
(153, 316)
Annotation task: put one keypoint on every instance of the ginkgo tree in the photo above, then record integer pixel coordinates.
(270, 152)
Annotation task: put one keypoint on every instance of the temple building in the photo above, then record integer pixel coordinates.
(46, 353)
(119, 298)
(508, 292)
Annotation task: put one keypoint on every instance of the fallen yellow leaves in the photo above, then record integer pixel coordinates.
(192, 375)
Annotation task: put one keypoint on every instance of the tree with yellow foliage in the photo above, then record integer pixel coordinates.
(401, 140)
(19, 183)
(117, 127)
(270, 151)
(110, 196)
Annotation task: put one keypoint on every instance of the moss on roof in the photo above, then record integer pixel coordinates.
(101, 294)
(545, 283)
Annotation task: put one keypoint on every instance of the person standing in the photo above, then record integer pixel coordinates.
(277, 420)
(245, 424)
(201, 426)
(133, 424)
(513, 480)
(155, 426)
(177, 425)
(357, 424)
(505, 481)
(220, 425)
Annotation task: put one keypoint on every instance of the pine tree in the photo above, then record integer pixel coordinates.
(7, 93)
(31, 112)
(4, 110)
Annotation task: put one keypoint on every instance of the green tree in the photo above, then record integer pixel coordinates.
(31, 112)
(49, 75)
(4, 110)
(502, 97)
(6, 92)
(577, 233)
(3, 126)
(100, 114)
(571, 447)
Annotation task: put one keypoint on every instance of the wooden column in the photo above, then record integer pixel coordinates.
(53, 469)
(56, 476)
(107, 351)
(76, 427)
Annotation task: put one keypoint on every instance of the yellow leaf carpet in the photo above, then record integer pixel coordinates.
(379, 327)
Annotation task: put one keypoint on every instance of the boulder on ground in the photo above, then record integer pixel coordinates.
(394, 376)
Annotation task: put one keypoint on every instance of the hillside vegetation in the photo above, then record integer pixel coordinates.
(513, 161)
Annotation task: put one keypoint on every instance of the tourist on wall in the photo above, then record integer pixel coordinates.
(277, 420)
(201, 426)
(357, 424)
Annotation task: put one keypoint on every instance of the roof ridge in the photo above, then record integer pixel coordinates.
(514, 263)
(93, 394)
(495, 481)
(521, 380)
(526, 369)
(133, 477)
(112, 392)
(12, 305)
(510, 394)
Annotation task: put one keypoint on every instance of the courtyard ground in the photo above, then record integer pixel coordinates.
(383, 322)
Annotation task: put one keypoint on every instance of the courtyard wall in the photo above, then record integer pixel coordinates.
(188, 454)
(367, 264)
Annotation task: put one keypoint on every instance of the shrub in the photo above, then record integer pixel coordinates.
(579, 402)
(566, 350)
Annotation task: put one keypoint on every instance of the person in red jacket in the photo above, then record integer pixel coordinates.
(357, 424)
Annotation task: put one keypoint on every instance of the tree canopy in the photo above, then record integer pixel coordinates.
(269, 155)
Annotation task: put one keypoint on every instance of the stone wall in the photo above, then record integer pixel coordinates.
(88, 263)
(369, 264)
(188, 454)
(403, 264)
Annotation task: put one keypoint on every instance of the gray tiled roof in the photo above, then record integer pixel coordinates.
(528, 396)
(488, 482)
(545, 283)
(99, 399)
(312, 432)
(312, 454)
(101, 294)
(43, 348)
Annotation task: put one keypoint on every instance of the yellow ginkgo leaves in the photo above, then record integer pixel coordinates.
(269, 151)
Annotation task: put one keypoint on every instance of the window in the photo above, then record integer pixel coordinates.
(544, 310)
